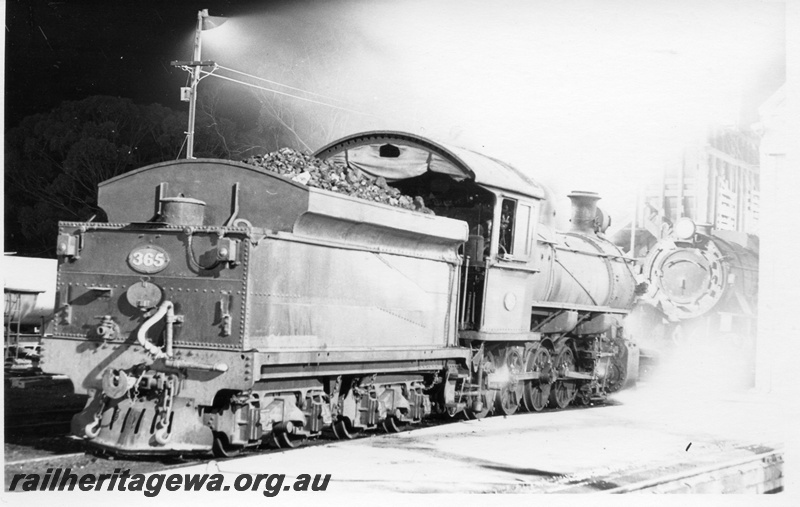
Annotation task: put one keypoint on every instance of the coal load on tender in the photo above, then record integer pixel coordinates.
(314, 172)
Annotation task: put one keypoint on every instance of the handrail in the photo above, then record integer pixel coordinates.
(166, 308)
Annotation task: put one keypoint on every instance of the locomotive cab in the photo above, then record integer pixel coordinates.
(502, 226)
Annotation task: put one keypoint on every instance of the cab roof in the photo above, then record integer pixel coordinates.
(401, 155)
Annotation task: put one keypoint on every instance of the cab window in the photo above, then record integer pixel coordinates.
(522, 226)
(508, 211)
(515, 226)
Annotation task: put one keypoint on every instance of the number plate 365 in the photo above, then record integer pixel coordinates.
(148, 259)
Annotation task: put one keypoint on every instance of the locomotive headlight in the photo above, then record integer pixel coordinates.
(685, 228)
(600, 370)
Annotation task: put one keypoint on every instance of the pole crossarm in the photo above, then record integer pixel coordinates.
(182, 63)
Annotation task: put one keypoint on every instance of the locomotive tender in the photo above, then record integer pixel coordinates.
(222, 305)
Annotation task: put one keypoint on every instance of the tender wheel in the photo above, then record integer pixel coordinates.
(508, 398)
(343, 429)
(536, 393)
(563, 391)
(283, 440)
(392, 425)
(222, 448)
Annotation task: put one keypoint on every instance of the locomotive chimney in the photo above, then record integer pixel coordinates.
(584, 211)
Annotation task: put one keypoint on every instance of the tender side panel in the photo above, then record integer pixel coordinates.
(343, 218)
(313, 296)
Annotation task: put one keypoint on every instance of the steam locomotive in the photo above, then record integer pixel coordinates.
(702, 288)
(222, 306)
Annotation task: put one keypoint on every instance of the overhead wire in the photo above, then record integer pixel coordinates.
(284, 93)
(277, 83)
(205, 74)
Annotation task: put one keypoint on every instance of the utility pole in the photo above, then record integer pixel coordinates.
(204, 22)
(195, 81)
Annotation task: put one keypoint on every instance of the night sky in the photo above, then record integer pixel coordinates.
(68, 50)
(599, 92)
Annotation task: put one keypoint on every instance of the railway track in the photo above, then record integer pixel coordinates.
(22, 422)
(37, 423)
(49, 459)
(727, 471)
